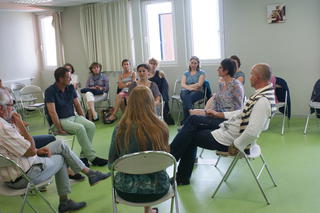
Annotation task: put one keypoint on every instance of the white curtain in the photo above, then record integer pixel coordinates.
(56, 23)
(105, 33)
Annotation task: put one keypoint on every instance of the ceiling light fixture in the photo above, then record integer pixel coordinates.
(31, 1)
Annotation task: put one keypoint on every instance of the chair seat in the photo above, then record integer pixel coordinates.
(280, 104)
(31, 99)
(176, 97)
(7, 191)
(315, 105)
(169, 195)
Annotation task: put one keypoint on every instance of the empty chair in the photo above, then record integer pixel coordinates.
(144, 163)
(7, 191)
(32, 98)
(255, 152)
(284, 103)
(314, 103)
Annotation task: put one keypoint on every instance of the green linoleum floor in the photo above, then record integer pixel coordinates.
(293, 159)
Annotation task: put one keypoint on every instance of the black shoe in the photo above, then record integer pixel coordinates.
(85, 161)
(96, 176)
(77, 177)
(70, 205)
(99, 161)
(183, 182)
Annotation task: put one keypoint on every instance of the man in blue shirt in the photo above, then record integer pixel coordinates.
(61, 100)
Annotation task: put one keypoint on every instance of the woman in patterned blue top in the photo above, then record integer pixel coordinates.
(140, 129)
(191, 85)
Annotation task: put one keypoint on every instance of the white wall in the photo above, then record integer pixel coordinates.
(291, 48)
(19, 55)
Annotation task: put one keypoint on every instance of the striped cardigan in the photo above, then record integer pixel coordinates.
(267, 92)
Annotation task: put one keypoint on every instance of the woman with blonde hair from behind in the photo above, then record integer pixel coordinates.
(140, 129)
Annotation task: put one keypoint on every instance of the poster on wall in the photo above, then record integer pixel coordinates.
(276, 13)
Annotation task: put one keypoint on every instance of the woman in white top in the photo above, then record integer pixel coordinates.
(74, 77)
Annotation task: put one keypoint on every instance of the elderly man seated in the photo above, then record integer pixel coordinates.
(39, 164)
(241, 128)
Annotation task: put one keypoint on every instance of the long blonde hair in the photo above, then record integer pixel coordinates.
(140, 115)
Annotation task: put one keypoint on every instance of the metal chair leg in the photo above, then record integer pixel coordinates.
(224, 177)
(283, 122)
(268, 170)
(256, 179)
(216, 164)
(237, 157)
(306, 126)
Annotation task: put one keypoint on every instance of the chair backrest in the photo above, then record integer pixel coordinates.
(31, 89)
(5, 162)
(15, 88)
(144, 162)
(177, 87)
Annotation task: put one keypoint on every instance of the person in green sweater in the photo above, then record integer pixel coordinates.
(140, 129)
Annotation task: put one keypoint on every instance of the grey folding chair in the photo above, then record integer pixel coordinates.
(315, 106)
(15, 89)
(7, 191)
(144, 163)
(255, 152)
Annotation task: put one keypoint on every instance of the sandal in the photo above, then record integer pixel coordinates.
(110, 121)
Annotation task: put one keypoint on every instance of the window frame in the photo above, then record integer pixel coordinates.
(145, 32)
(42, 46)
(189, 36)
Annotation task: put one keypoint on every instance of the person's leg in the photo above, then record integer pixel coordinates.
(43, 140)
(90, 102)
(71, 126)
(119, 98)
(191, 125)
(186, 103)
(196, 96)
(203, 139)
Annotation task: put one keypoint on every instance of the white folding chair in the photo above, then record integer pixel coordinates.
(285, 105)
(32, 98)
(7, 191)
(15, 89)
(144, 163)
(176, 97)
(255, 152)
(315, 106)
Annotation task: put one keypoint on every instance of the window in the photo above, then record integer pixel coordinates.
(206, 29)
(159, 30)
(48, 41)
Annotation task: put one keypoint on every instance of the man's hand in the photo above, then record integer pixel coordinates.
(44, 152)
(62, 132)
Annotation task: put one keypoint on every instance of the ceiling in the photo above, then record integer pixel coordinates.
(41, 5)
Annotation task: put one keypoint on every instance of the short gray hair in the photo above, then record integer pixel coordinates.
(264, 71)
(4, 98)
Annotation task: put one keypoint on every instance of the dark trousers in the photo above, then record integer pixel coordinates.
(196, 132)
(188, 99)
(43, 140)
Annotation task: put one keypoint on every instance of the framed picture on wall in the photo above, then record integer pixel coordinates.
(276, 13)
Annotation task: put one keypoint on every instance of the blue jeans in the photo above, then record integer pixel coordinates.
(188, 99)
(195, 132)
(43, 140)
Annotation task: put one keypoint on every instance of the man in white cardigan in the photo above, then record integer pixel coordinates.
(241, 128)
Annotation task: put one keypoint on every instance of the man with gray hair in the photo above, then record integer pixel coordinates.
(39, 164)
(241, 128)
